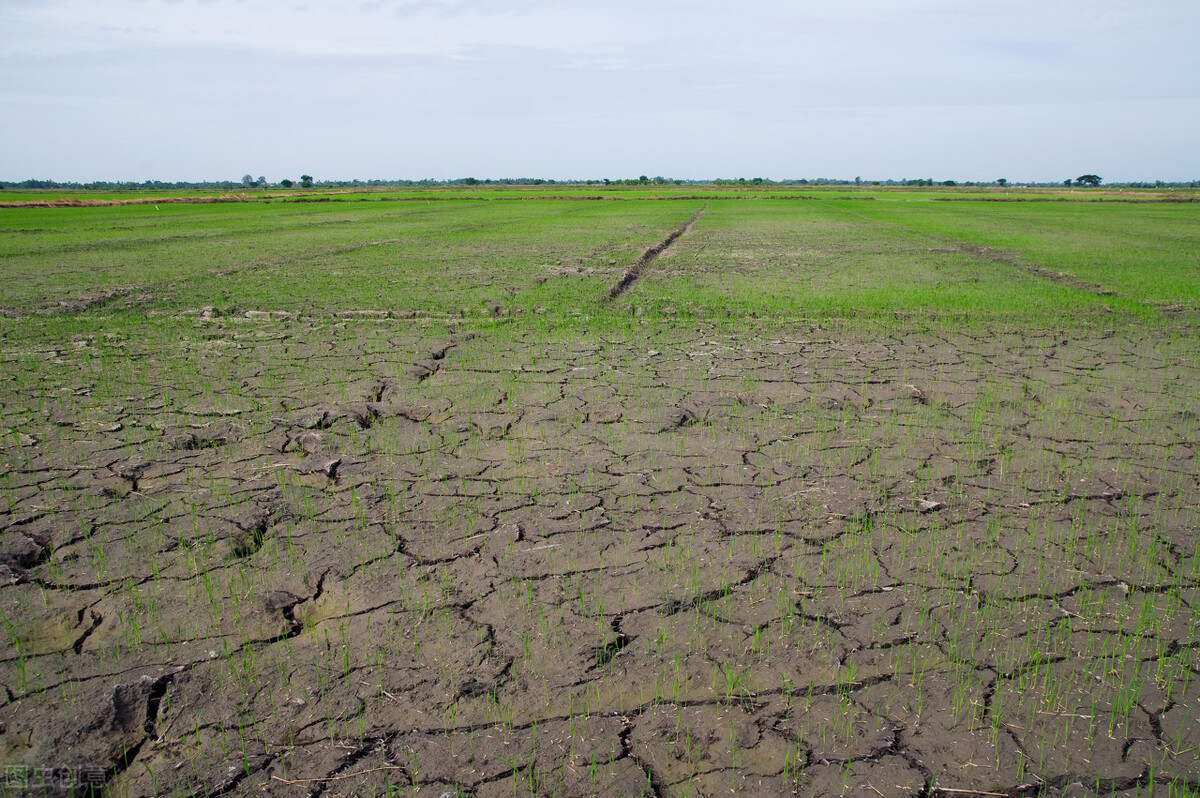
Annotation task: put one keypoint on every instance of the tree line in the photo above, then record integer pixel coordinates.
(249, 182)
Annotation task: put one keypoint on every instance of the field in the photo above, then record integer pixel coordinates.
(626, 492)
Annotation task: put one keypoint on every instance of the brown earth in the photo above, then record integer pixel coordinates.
(362, 555)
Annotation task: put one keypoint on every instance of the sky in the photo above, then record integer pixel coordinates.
(1027, 90)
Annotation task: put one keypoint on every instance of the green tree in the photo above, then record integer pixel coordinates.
(1002, 182)
(1088, 180)
(286, 183)
(306, 181)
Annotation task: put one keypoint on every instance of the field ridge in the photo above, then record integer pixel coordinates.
(634, 272)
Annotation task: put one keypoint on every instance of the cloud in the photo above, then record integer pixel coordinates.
(709, 78)
(764, 31)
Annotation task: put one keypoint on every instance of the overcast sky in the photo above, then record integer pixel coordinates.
(948, 89)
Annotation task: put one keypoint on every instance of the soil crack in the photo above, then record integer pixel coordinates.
(654, 781)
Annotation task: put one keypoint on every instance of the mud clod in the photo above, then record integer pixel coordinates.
(197, 441)
(328, 466)
(23, 552)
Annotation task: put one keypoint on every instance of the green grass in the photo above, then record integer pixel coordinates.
(1142, 253)
(832, 259)
(829, 480)
(900, 256)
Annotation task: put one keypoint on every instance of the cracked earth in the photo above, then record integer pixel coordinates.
(477, 562)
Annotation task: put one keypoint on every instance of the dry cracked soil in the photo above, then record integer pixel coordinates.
(401, 558)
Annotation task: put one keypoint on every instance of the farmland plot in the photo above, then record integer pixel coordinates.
(833, 497)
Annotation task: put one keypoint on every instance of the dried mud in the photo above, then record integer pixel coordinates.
(366, 556)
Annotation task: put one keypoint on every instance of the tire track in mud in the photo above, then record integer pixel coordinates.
(634, 272)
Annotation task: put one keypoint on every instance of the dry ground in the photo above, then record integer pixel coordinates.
(770, 560)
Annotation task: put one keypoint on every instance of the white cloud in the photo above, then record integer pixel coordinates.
(765, 31)
(708, 78)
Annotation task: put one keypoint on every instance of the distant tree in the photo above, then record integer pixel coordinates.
(286, 183)
(306, 181)
(1002, 182)
(1088, 180)
(643, 179)
(262, 181)
(949, 183)
(1067, 182)
(247, 180)
(858, 181)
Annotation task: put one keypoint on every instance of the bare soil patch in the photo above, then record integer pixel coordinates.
(778, 561)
